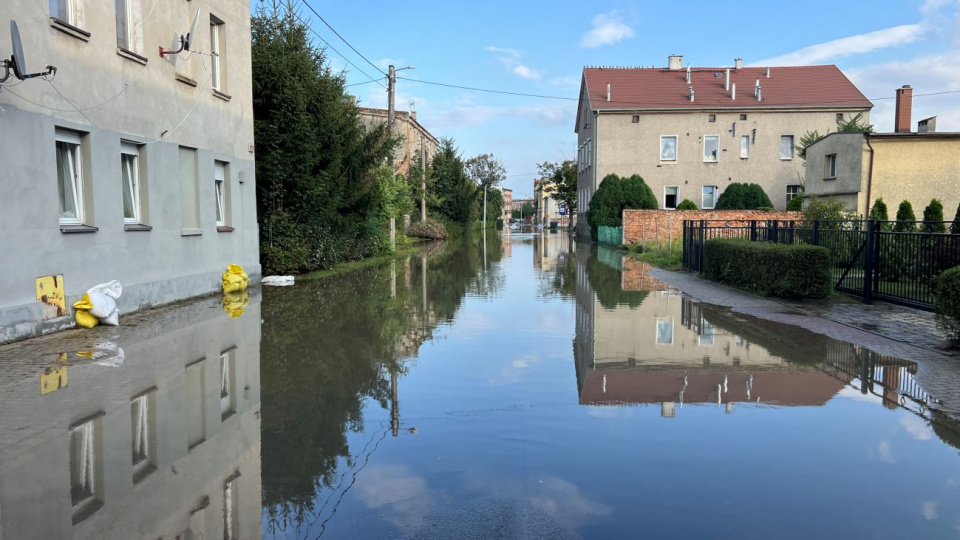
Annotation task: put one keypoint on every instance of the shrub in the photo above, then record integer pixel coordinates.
(905, 218)
(432, 230)
(826, 209)
(933, 217)
(739, 196)
(782, 270)
(687, 204)
(955, 226)
(795, 204)
(879, 210)
(615, 194)
(946, 303)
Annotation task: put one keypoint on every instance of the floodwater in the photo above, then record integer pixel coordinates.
(521, 387)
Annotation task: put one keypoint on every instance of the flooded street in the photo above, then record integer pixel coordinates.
(524, 387)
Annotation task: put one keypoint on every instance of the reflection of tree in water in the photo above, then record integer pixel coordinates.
(605, 280)
(327, 346)
(561, 280)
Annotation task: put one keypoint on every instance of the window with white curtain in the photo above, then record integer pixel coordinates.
(664, 331)
(69, 177)
(231, 519)
(84, 462)
(130, 176)
(143, 437)
(64, 11)
(668, 148)
(709, 197)
(228, 397)
(745, 146)
(219, 179)
(216, 49)
(786, 147)
(124, 25)
(711, 148)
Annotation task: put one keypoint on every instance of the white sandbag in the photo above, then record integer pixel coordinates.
(113, 289)
(103, 305)
(278, 281)
(111, 320)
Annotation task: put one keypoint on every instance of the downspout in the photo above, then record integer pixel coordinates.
(866, 211)
(596, 146)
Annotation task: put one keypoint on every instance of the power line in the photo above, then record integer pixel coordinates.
(359, 83)
(325, 42)
(334, 30)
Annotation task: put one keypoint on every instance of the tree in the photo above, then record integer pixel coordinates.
(526, 210)
(795, 204)
(879, 210)
(455, 194)
(955, 226)
(905, 218)
(828, 209)
(806, 140)
(739, 196)
(854, 125)
(488, 172)
(687, 204)
(933, 217)
(561, 180)
(616, 194)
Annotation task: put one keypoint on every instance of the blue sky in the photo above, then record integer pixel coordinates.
(540, 47)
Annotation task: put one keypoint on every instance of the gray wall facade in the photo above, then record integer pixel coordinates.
(851, 164)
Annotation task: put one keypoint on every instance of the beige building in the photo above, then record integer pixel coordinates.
(126, 164)
(691, 131)
(546, 207)
(413, 135)
(859, 168)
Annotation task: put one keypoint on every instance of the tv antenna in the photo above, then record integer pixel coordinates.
(16, 64)
(185, 42)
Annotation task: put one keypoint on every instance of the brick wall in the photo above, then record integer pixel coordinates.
(661, 225)
(636, 277)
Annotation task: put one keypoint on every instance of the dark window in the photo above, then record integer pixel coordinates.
(636, 119)
(743, 117)
(839, 117)
(713, 118)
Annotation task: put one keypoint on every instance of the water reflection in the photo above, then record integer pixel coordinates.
(148, 430)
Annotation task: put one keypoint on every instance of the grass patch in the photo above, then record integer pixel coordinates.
(668, 256)
(346, 267)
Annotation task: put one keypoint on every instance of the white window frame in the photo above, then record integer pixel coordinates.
(71, 12)
(830, 167)
(792, 151)
(76, 141)
(744, 146)
(799, 190)
(220, 187)
(227, 403)
(667, 322)
(123, 11)
(87, 461)
(216, 81)
(128, 149)
(142, 437)
(676, 148)
(676, 200)
(716, 196)
(717, 157)
(589, 154)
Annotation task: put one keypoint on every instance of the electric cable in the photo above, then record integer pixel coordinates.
(334, 30)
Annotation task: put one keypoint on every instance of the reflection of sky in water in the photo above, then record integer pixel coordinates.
(502, 440)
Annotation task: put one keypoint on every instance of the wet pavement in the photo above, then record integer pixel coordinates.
(518, 387)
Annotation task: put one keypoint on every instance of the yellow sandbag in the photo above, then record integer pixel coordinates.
(84, 303)
(235, 279)
(85, 319)
(235, 303)
(238, 270)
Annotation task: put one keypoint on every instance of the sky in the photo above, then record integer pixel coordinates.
(540, 47)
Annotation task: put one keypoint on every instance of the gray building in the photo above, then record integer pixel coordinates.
(126, 164)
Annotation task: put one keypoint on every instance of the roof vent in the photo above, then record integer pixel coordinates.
(688, 74)
(675, 61)
(733, 91)
(738, 64)
(726, 84)
(608, 91)
(691, 93)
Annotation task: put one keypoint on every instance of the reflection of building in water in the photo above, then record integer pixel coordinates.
(547, 246)
(155, 435)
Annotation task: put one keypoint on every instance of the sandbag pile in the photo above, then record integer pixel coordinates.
(235, 279)
(99, 305)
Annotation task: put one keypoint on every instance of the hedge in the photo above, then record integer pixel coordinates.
(946, 303)
(769, 269)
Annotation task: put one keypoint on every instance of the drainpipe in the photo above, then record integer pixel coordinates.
(869, 175)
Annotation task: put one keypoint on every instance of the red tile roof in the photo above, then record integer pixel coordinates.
(661, 88)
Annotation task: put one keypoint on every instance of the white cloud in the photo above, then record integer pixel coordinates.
(572, 81)
(510, 58)
(847, 46)
(930, 510)
(464, 113)
(526, 73)
(916, 427)
(608, 28)
(885, 452)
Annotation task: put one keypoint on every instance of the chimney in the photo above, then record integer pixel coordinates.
(691, 93)
(768, 73)
(901, 123)
(927, 125)
(738, 64)
(413, 114)
(608, 91)
(688, 74)
(733, 91)
(726, 83)
(675, 61)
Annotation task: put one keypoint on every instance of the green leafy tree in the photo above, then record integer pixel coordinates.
(687, 204)
(561, 180)
(614, 195)
(955, 226)
(806, 140)
(828, 209)
(879, 210)
(455, 193)
(933, 217)
(795, 204)
(856, 124)
(905, 218)
(488, 172)
(739, 196)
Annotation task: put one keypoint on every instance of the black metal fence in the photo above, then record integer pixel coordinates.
(893, 261)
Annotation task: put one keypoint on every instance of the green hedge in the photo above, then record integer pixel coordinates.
(946, 302)
(785, 271)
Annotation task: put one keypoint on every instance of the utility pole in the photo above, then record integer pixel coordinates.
(391, 90)
(484, 208)
(423, 182)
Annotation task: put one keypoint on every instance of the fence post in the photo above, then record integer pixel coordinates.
(868, 263)
(703, 241)
(816, 232)
(753, 230)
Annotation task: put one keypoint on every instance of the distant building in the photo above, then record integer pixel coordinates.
(153, 184)
(517, 204)
(507, 204)
(412, 135)
(691, 131)
(859, 168)
(547, 208)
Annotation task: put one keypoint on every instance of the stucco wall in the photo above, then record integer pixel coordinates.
(123, 99)
(917, 171)
(852, 166)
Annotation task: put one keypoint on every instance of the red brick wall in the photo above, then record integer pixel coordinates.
(663, 225)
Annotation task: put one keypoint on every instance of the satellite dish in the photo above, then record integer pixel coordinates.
(192, 33)
(17, 64)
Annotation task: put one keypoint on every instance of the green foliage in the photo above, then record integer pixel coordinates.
(829, 209)
(561, 181)
(668, 255)
(494, 207)
(455, 194)
(739, 196)
(781, 270)
(526, 210)
(855, 125)
(905, 218)
(955, 226)
(606, 281)
(879, 210)
(614, 195)
(946, 303)
(795, 204)
(430, 229)
(933, 217)
(806, 140)
(687, 204)
(319, 196)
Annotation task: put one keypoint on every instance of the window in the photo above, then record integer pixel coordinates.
(743, 117)
(85, 465)
(69, 178)
(196, 405)
(231, 518)
(216, 49)
(794, 190)
(130, 176)
(786, 147)
(64, 11)
(124, 25)
(709, 198)
(745, 146)
(711, 148)
(219, 181)
(636, 119)
(830, 167)
(712, 118)
(189, 192)
(228, 398)
(839, 117)
(664, 331)
(670, 195)
(589, 154)
(141, 427)
(707, 333)
(668, 148)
